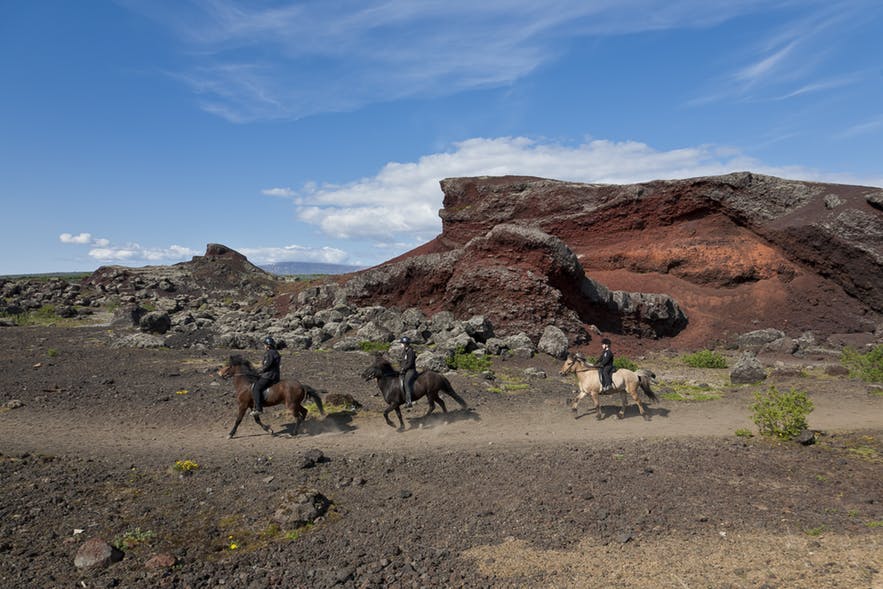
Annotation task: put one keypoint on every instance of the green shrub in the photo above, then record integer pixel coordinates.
(744, 433)
(133, 538)
(623, 362)
(779, 414)
(371, 347)
(463, 360)
(867, 367)
(705, 359)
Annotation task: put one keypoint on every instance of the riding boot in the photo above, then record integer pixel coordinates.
(256, 395)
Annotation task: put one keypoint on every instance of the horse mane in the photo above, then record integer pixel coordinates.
(384, 365)
(237, 360)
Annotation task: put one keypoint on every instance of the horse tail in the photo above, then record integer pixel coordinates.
(315, 396)
(645, 377)
(450, 391)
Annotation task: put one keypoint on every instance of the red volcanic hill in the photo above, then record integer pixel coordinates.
(682, 263)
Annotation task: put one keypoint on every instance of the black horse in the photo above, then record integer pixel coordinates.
(428, 384)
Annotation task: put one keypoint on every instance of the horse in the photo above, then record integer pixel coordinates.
(389, 381)
(623, 380)
(290, 392)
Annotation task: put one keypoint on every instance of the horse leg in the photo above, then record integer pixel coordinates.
(441, 404)
(389, 409)
(301, 417)
(239, 416)
(633, 391)
(621, 413)
(597, 401)
(266, 428)
(579, 397)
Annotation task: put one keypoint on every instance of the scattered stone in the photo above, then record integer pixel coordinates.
(301, 507)
(806, 438)
(747, 370)
(161, 561)
(95, 553)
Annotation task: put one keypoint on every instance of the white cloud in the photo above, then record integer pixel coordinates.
(286, 192)
(403, 199)
(80, 238)
(133, 252)
(290, 253)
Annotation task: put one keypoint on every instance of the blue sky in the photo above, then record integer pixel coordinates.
(135, 132)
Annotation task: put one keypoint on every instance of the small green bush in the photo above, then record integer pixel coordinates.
(705, 359)
(623, 362)
(371, 347)
(779, 414)
(867, 367)
(463, 360)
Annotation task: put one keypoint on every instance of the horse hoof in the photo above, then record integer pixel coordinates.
(229, 436)
(646, 417)
(620, 415)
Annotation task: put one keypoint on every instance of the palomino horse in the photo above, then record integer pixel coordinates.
(623, 380)
(290, 392)
(428, 384)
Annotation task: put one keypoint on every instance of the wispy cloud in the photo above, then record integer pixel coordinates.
(796, 58)
(289, 60)
(874, 125)
(283, 191)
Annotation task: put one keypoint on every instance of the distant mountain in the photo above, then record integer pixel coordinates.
(292, 268)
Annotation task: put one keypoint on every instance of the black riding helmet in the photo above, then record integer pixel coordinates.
(269, 341)
(605, 341)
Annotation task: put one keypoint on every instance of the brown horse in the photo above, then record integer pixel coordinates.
(290, 392)
(428, 384)
(623, 380)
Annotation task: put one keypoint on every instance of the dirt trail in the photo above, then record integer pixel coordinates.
(514, 492)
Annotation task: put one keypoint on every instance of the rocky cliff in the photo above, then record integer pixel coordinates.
(696, 260)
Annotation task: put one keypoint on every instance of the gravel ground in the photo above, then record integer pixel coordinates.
(513, 492)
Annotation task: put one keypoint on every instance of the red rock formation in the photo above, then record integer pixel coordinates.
(735, 252)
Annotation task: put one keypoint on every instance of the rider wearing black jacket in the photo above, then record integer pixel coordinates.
(268, 374)
(605, 366)
(408, 370)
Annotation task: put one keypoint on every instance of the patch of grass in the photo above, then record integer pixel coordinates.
(704, 359)
(52, 352)
(682, 391)
(875, 524)
(463, 360)
(371, 347)
(815, 532)
(866, 452)
(133, 538)
(744, 433)
(867, 367)
(781, 414)
(293, 535)
(508, 385)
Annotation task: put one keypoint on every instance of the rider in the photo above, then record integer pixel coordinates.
(408, 365)
(268, 374)
(605, 366)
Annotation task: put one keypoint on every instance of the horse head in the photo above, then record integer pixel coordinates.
(380, 368)
(569, 365)
(236, 365)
